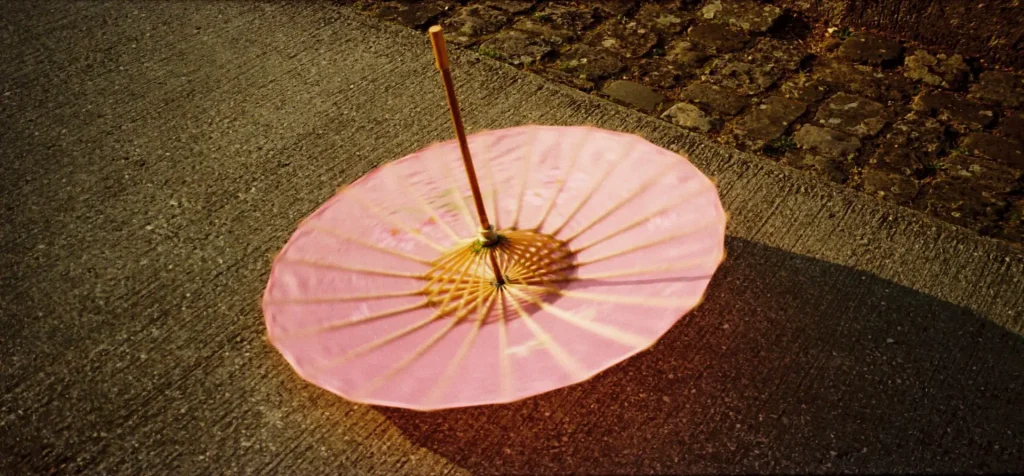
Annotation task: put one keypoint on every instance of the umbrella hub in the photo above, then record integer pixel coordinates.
(534, 268)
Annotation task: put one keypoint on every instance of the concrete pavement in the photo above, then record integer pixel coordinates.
(155, 154)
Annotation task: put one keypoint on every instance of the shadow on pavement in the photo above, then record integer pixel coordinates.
(792, 364)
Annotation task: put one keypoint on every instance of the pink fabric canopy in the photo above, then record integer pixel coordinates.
(354, 303)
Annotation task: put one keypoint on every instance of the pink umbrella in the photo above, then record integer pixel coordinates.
(395, 293)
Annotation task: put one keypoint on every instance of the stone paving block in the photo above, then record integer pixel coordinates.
(852, 114)
(566, 16)
(986, 174)
(723, 100)
(753, 71)
(637, 95)
(964, 114)
(688, 116)
(822, 166)
(948, 72)
(685, 54)
(826, 142)
(549, 33)
(412, 14)
(613, 8)
(627, 38)
(750, 16)
(962, 203)
(590, 63)
(656, 72)
(804, 89)
(663, 19)
(767, 121)
(718, 38)
(1012, 126)
(915, 143)
(565, 78)
(473, 22)
(1001, 149)
(870, 48)
(515, 47)
(867, 81)
(999, 87)
(895, 188)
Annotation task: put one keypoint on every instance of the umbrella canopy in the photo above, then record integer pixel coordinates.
(386, 294)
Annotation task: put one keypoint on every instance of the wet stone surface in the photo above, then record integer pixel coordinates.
(852, 114)
(684, 54)
(826, 142)
(802, 88)
(590, 63)
(690, 117)
(861, 80)
(411, 13)
(636, 95)
(717, 38)
(914, 146)
(1012, 126)
(515, 47)
(942, 71)
(1001, 149)
(629, 39)
(566, 16)
(927, 130)
(964, 114)
(753, 71)
(613, 8)
(888, 186)
(750, 16)
(767, 121)
(656, 73)
(999, 87)
(825, 167)
(869, 48)
(474, 22)
(722, 100)
(663, 19)
(548, 33)
(970, 192)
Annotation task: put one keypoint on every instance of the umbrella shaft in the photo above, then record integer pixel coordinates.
(467, 160)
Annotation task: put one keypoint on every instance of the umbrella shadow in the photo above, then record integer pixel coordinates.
(791, 365)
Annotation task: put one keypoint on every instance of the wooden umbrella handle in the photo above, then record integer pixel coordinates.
(441, 59)
(487, 232)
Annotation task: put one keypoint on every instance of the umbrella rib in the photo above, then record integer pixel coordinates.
(594, 186)
(445, 380)
(689, 264)
(442, 311)
(328, 299)
(577, 147)
(358, 320)
(587, 196)
(602, 330)
(644, 186)
(427, 207)
(423, 348)
(352, 269)
(652, 301)
(505, 366)
(394, 221)
(369, 346)
(640, 221)
(338, 234)
(564, 359)
(525, 175)
(633, 249)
